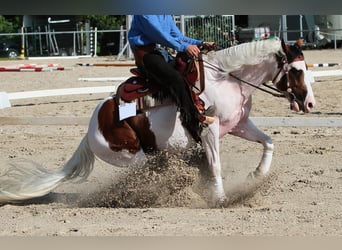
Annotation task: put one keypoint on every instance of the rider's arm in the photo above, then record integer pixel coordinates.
(165, 33)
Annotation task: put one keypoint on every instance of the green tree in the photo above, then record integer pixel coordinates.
(10, 24)
(5, 26)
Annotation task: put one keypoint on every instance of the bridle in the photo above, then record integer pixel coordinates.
(284, 66)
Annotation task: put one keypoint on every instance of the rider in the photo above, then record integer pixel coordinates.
(147, 32)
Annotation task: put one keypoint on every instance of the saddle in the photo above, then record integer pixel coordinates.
(139, 87)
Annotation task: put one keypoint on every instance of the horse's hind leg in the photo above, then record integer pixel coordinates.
(247, 130)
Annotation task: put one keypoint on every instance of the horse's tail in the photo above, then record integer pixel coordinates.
(26, 180)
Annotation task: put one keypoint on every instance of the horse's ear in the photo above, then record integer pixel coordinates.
(299, 42)
(284, 46)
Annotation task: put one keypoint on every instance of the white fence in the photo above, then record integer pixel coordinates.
(5, 97)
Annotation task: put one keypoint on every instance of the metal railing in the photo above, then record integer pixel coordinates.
(67, 43)
(217, 28)
(113, 42)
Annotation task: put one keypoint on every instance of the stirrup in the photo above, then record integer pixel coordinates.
(208, 115)
(206, 119)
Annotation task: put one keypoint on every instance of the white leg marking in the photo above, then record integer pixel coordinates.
(210, 142)
(250, 132)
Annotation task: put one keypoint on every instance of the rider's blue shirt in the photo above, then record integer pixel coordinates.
(158, 29)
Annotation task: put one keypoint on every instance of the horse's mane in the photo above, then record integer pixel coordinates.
(250, 53)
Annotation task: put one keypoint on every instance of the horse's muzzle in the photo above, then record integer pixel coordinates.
(297, 106)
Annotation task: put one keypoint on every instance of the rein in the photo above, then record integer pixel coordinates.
(278, 94)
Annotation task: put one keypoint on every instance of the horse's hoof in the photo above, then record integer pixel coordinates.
(255, 175)
(221, 203)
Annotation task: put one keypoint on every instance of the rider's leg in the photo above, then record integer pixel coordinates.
(168, 77)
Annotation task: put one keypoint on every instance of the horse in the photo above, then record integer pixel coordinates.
(231, 76)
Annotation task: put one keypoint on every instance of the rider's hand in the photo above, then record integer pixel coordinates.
(209, 46)
(193, 50)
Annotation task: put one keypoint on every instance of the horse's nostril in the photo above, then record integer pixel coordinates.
(310, 105)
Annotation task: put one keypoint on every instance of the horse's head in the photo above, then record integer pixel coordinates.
(293, 80)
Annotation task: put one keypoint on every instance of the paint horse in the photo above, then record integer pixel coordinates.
(231, 76)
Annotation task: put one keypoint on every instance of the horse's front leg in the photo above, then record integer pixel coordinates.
(211, 144)
(247, 130)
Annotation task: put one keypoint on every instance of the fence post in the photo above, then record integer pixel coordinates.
(91, 37)
(74, 43)
(182, 24)
(87, 34)
(22, 52)
(95, 41)
(128, 26)
(122, 38)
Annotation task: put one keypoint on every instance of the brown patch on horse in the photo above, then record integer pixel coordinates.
(118, 134)
(132, 133)
(293, 83)
(297, 83)
(141, 125)
(294, 79)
